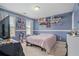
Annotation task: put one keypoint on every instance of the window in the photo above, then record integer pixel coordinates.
(29, 27)
(12, 26)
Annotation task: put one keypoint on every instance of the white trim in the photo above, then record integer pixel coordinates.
(20, 30)
(53, 30)
(73, 21)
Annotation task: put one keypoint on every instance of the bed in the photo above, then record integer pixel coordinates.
(46, 41)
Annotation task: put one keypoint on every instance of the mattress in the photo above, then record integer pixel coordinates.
(46, 41)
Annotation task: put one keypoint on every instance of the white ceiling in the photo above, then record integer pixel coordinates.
(46, 9)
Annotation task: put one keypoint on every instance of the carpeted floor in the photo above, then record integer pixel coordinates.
(58, 50)
(34, 51)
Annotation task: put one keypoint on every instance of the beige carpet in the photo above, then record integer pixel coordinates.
(58, 50)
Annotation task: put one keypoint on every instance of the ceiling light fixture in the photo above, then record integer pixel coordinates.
(36, 8)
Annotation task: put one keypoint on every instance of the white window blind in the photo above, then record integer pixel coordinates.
(29, 27)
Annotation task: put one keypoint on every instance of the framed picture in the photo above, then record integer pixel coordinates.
(20, 23)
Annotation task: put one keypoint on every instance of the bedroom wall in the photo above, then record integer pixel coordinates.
(17, 18)
(66, 23)
(60, 30)
(76, 16)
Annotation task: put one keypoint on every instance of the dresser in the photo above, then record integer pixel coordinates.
(73, 45)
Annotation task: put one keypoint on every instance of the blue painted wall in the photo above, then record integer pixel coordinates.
(66, 25)
(24, 19)
(76, 16)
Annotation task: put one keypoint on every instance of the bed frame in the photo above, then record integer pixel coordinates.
(29, 44)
